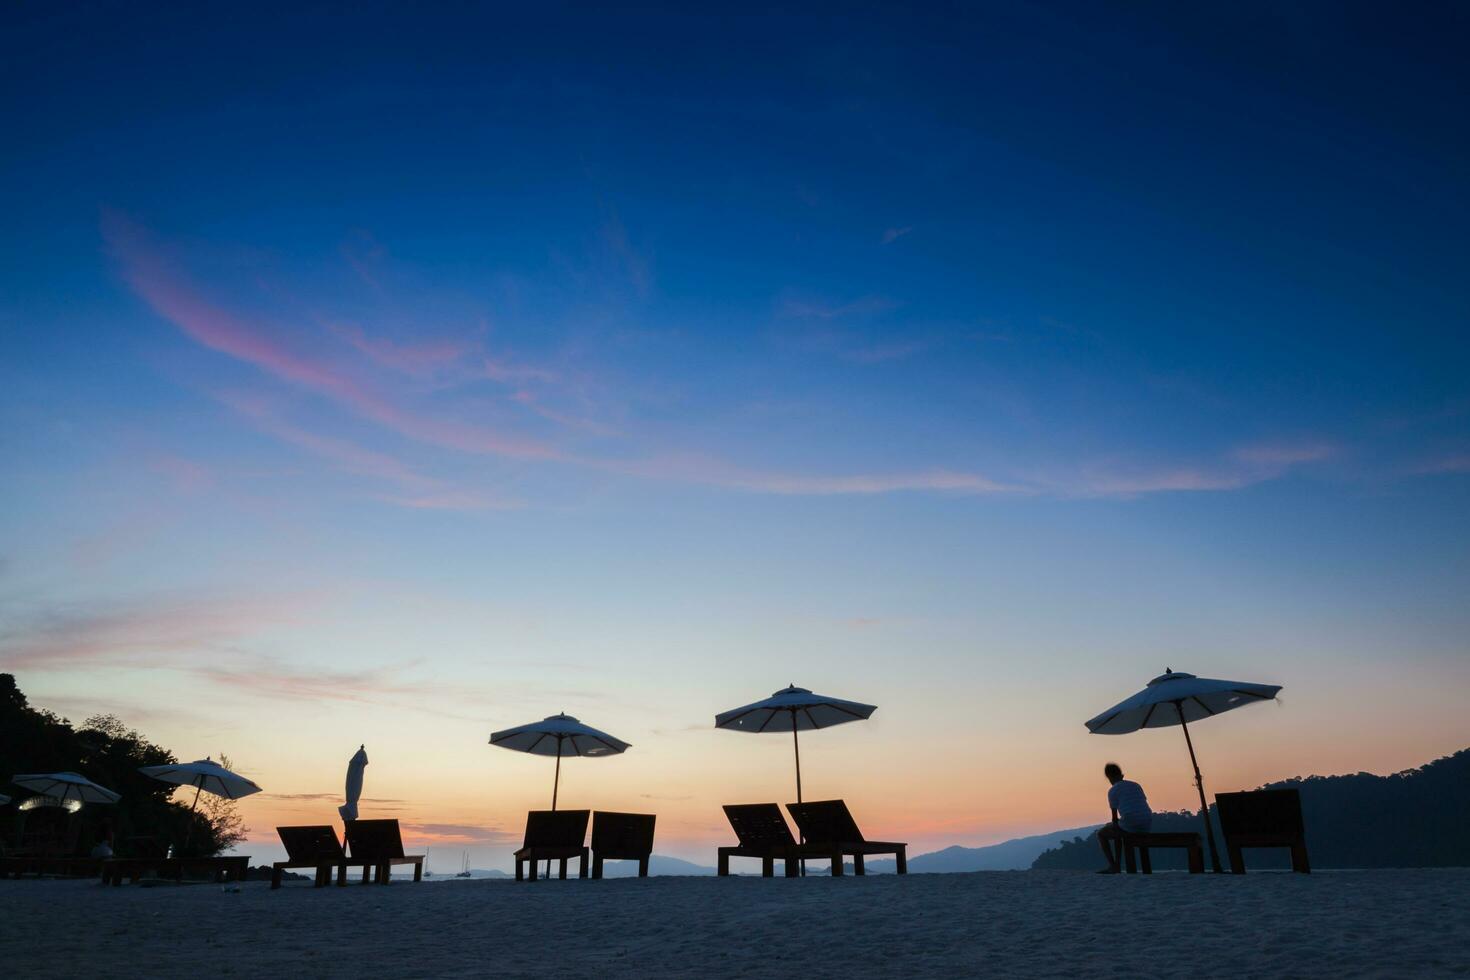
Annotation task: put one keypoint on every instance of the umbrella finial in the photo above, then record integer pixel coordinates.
(1168, 670)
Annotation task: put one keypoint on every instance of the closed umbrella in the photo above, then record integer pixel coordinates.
(559, 735)
(206, 776)
(1177, 698)
(793, 709)
(66, 786)
(353, 792)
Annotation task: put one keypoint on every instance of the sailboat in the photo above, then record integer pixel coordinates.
(466, 872)
(427, 872)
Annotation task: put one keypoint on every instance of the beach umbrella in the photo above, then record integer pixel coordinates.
(559, 735)
(66, 786)
(1177, 698)
(793, 709)
(206, 776)
(353, 792)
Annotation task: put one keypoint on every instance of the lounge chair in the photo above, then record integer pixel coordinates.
(828, 831)
(378, 847)
(310, 847)
(554, 835)
(622, 837)
(1136, 848)
(763, 834)
(1263, 818)
(232, 868)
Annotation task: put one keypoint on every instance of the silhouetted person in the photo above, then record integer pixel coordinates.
(1130, 814)
(103, 847)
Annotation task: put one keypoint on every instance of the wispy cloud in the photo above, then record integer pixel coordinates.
(802, 308)
(152, 278)
(458, 833)
(1241, 467)
(154, 631)
(892, 235)
(1450, 463)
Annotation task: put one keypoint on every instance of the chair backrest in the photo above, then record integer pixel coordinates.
(309, 845)
(1262, 812)
(825, 821)
(629, 834)
(374, 839)
(556, 828)
(758, 824)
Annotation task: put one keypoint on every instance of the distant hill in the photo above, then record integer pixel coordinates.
(657, 865)
(1410, 819)
(1011, 855)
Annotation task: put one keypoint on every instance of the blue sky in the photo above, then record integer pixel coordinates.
(389, 360)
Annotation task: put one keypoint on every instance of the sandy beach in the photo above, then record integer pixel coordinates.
(1378, 923)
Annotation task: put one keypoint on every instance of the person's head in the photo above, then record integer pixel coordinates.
(1113, 771)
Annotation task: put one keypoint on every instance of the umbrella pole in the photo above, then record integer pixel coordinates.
(555, 786)
(189, 827)
(796, 745)
(1199, 784)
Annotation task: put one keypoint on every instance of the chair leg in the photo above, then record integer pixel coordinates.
(418, 871)
(1237, 859)
(643, 866)
(793, 868)
(562, 869)
(520, 876)
(533, 869)
(768, 867)
(837, 865)
(1299, 861)
(1130, 861)
(582, 864)
(857, 865)
(1146, 860)
(1196, 859)
(903, 860)
(722, 864)
(596, 867)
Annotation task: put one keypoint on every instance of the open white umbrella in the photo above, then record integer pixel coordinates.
(206, 776)
(66, 786)
(1177, 698)
(559, 735)
(353, 791)
(793, 709)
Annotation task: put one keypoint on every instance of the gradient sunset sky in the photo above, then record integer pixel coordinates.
(399, 377)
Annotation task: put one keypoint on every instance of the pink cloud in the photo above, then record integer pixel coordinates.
(418, 359)
(1454, 463)
(152, 631)
(151, 277)
(717, 473)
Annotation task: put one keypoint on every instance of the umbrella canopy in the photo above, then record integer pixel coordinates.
(353, 791)
(559, 735)
(793, 709)
(205, 775)
(66, 786)
(1177, 698)
(1174, 698)
(4, 799)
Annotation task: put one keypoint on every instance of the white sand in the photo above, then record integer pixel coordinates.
(1398, 923)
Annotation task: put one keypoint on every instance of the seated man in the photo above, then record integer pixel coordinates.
(1131, 815)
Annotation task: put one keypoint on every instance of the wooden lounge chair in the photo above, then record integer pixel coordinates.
(1263, 818)
(554, 835)
(622, 837)
(763, 834)
(310, 847)
(1136, 849)
(830, 832)
(377, 846)
(232, 868)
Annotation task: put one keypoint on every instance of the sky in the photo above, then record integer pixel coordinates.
(392, 377)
